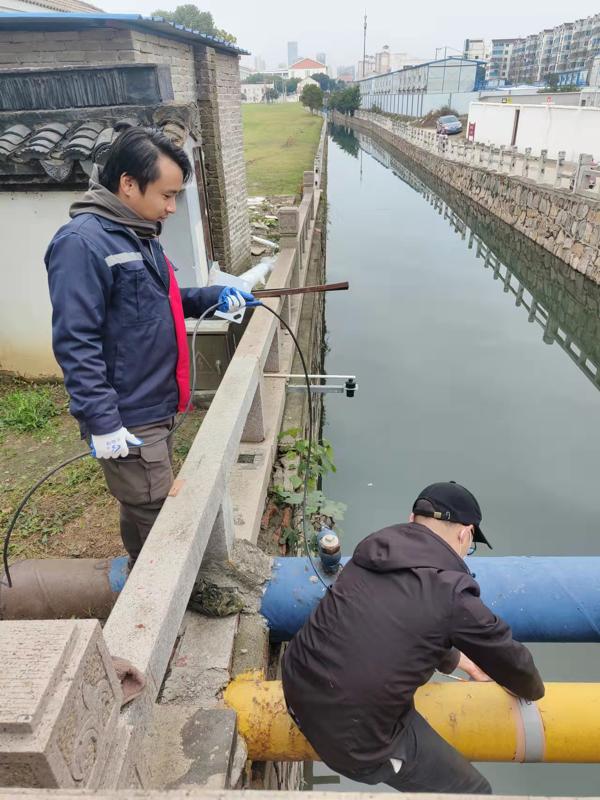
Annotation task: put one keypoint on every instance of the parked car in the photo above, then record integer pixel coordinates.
(448, 124)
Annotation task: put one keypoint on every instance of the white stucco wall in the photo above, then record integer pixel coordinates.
(573, 129)
(493, 123)
(28, 220)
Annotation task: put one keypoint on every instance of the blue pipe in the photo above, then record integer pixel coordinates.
(543, 598)
(118, 573)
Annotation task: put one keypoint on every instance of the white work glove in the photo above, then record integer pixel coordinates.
(113, 445)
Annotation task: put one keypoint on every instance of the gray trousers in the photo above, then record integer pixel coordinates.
(429, 764)
(141, 482)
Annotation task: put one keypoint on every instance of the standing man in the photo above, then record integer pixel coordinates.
(118, 326)
(404, 606)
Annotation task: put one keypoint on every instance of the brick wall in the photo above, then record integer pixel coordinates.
(199, 75)
(152, 49)
(219, 100)
(63, 48)
(101, 46)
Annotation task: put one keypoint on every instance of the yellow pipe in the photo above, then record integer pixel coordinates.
(481, 720)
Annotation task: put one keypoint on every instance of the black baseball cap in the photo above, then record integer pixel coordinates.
(451, 502)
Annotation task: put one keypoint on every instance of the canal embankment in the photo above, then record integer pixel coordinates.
(563, 223)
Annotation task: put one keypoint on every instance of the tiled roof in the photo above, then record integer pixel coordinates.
(307, 63)
(46, 21)
(58, 146)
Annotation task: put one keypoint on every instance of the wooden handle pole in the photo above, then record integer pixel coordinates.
(325, 287)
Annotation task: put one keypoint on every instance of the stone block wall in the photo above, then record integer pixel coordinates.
(564, 224)
(219, 99)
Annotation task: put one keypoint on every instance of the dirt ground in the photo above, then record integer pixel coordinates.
(72, 514)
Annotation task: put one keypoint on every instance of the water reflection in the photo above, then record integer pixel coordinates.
(554, 296)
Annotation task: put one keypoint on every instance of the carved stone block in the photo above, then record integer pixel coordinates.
(59, 703)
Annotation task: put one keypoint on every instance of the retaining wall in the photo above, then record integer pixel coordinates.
(563, 224)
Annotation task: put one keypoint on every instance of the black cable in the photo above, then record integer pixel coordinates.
(48, 475)
(309, 448)
(177, 425)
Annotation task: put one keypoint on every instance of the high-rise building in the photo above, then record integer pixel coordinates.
(322, 58)
(347, 73)
(498, 66)
(259, 64)
(386, 61)
(366, 67)
(475, 49)
(292, 48)
(567, 52)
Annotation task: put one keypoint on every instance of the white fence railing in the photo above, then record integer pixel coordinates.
(580, 178)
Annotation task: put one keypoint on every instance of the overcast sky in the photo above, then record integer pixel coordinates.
(335, 28)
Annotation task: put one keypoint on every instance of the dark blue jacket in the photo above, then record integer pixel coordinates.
(112, 328)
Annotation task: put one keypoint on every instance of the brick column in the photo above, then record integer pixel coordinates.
(219, 101)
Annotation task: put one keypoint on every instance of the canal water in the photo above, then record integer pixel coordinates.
(476, 359)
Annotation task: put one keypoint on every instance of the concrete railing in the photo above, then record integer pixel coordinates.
(77, 687)
(580, 178)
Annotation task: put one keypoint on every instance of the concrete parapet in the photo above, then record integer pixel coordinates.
(59, 703)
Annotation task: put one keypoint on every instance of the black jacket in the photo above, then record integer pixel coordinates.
(404, 605)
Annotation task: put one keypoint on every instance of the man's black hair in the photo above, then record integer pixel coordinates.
(136, 152)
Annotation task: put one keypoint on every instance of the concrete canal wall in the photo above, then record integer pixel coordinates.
(565, 224)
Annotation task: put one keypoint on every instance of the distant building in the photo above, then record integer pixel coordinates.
(40, 6)
(349, 71)
(322, 58)
(567, 51)
(292, 52)
(259, 63)
(245, 71)
(415, 91)
(255, 92)
(476, 49)
(347, 74)
(305, 68)
(306, 82)
(386, 61)
(498, 67)
(280, 73)
(366, 67)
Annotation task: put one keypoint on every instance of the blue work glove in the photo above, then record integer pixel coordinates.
(232, 299)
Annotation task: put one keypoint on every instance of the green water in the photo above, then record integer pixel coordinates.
(463, 376)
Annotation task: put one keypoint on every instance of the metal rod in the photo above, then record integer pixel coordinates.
(325, 287)
(324, 377)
